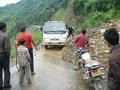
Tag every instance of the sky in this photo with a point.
(5, 2)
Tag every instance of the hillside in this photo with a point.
(80, 13)
(34, 11)
(66, 14)
(29, 12)
(88, 13)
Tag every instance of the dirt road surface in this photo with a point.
(52, 73)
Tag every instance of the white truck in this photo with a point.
(54, 33)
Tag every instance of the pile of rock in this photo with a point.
(68, 51)
(98, 49)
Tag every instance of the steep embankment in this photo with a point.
(88, 13)
(65, 13)
(97, 49)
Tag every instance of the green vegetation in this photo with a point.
(88, 13)
(94, 12)
(37, 36)
(96, 18)
(34, 11)
(13, 53)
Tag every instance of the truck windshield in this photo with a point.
(54, 26)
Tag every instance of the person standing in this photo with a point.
(70, 31)
(4, 57)
(29, 41)
(111, 37)
(24, 60)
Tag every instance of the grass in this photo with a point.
(13, 53)
(13, 49)
(96, 18)
(37, 35)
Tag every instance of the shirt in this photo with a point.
(115, 47)
(81, 40)
(71, 30)
(5, 46)
(23, 56)
(28, 37)
(114, 68)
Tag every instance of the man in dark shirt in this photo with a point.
(112, 40)
(4, 57)
(70, 31)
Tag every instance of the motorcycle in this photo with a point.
(91, 69)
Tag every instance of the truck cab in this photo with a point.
(54, 33)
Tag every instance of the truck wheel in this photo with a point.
(46, 47)
(62, 46)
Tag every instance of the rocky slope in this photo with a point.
(98, 49)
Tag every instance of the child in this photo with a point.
(24, 59)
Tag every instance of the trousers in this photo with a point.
(32, 61)
(4, 67)
(24, 71)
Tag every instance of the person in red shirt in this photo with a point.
(80, 43)
(81, 40)
(29, 41)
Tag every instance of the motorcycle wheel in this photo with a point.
(79, 65)
(99, 85)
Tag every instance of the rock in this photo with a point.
(97, 49)
(102, 31)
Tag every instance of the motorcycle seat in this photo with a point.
(92, 64)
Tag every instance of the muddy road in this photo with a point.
(52, 73)
(63, 71)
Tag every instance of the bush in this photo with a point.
(96, 18)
